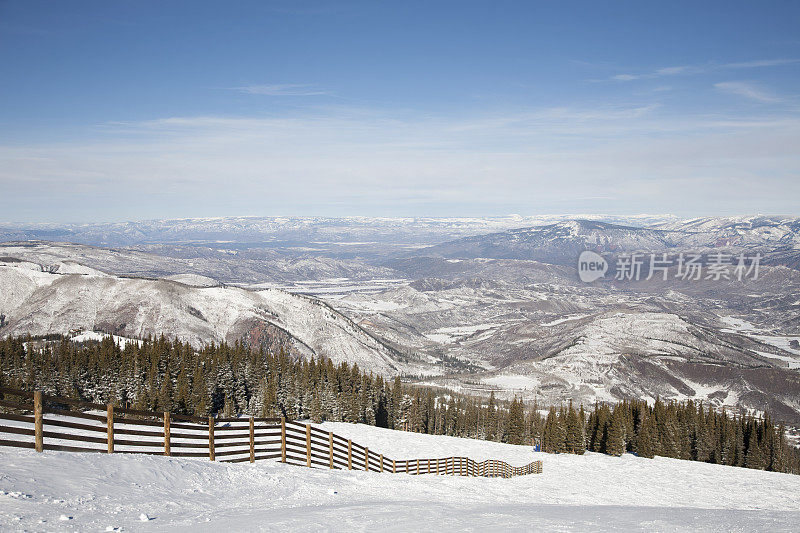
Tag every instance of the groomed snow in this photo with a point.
(57, 491)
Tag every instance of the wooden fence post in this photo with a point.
(211, 454)
(394, 466)
(308, 445)
(110, 427)
(381, 463)
(366, 459)
(330, 449)
(349, 454)
(417, 466)
(252, 440)
(166, 434)
(38, 421)
(437, 466)
(283, 440)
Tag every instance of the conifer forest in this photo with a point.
(226, 380)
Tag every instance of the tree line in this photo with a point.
(162, 375)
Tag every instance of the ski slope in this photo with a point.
(57, 491)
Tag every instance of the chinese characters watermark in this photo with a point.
(662, 266)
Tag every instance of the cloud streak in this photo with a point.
(747, 90)
(372, 162)
(700, 69)
(282, 89)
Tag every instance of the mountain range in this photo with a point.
(467, 304)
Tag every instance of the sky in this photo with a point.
(131, 110)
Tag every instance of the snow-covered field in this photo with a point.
(57, 491)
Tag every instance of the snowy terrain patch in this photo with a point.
(97, 492)
(450, 335)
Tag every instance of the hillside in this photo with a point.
(777, 238)
(41, 303)
(95, 492)
(654, 355)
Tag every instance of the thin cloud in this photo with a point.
(344, 160)
(747, 90)
(762, 63)
(658, 73)
(699, 69)
(283, 89)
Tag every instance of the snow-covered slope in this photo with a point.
(777, 238)
(57, 491)
(753, 230)
(651, 355)
(558, 243)
(39, 303)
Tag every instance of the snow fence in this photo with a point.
(42, 422)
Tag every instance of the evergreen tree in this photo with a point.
(515, 423)
(574, 442)
(227, 380)
(615, 436)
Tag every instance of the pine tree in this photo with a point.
(645, 440)
(491, 419)
(615, 436)
(574, 442)
(515, 423)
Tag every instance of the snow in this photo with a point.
(84, 336)
(779, 341)
(375, 305)
(737, 324)
(39, 303)
(567, 318)
(513, 382)
(71, 267)
(96, 492)
(449, 335)
(194, 280)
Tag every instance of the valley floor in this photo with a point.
(57, 491)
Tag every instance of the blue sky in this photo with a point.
(133, 110)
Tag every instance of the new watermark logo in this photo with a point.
(591, 266)
(638, 266)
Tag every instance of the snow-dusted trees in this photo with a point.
(231, 379)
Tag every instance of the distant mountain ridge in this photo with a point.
(278, 229)
(561, 243)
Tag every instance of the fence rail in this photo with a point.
(109, 429)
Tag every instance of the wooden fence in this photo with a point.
(109, 429)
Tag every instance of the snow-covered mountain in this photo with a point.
(651, 355)
(465, 302)
(757, 230)
(222, 263)
(560, 243)
(39, 302)
(287, 229)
